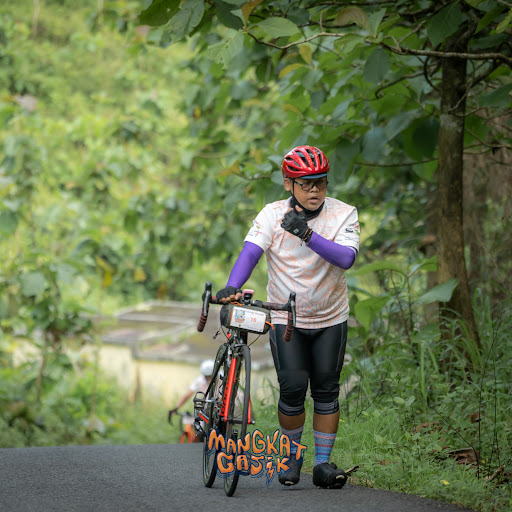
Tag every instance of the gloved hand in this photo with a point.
(228, 294)
(170, 413)
(295, 223)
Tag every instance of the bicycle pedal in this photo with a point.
(199, 401)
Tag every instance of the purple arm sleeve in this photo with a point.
(339, 255)
(247, 260)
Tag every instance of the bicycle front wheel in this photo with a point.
(212, 409)
(237, 409)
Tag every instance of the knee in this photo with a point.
(325, 390)
(293, 387)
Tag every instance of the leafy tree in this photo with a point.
(73, 169)
(405, 86)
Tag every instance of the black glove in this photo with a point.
(225, 293)
(170, 413)
(295, 223)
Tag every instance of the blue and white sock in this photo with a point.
(323, 446)
(293, 435)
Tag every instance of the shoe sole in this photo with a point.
(339, 482)
(289, 482)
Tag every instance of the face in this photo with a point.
(310, 200)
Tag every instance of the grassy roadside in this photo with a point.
(394, 451)
(392, 455)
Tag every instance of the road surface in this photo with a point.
(158, 478)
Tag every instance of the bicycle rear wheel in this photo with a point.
(238, 410)
(212, 410)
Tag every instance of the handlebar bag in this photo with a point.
(251, 319)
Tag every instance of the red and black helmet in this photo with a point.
(305, 162)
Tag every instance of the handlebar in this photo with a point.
(181, 415)
(208, 299)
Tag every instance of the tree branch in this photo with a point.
(487, 145)
(296, 43)
(377, 2)
(398, 164)
(399, 50)
(35, 18)
(427, 77)
(394, 82)
(361, 4)
(488, 150)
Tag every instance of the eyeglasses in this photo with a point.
(320, 184)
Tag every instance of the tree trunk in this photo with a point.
(451, 260)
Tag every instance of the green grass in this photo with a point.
(392, 455)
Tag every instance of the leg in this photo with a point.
(327, 361)
(291, 361)
(291, 422)
(329, 352)
(326, 422)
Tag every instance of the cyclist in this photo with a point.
(199, 384)
(309, 241)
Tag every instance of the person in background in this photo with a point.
(199, 384)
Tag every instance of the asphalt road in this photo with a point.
(166, 478)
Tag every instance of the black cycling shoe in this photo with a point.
(328, 476)
(292, 476)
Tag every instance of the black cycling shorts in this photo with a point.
(313, 356)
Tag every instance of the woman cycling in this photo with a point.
(309, 240)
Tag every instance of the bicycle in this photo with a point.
(226, 405)
(187, 432)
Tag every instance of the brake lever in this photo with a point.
(291, 300)
(207, 297)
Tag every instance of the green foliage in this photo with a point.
(400, 292)
(135, 168)
(419, 397)
(445, 23)
(79, 407)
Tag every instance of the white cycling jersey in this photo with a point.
(320, 287)
(199, 384)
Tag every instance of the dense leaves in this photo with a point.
(364, 82)
(177, 147)
(135, 167)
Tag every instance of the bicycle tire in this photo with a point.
(238, 410)
(214, 400)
